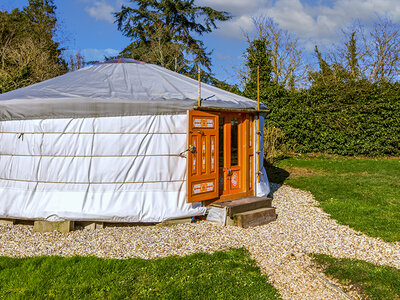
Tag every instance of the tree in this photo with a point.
(328, 74)
(77, 62)
(381, 57)
(162, 32)
(351, 57)
(258, 60)
(365, 54)
(28, 53)
(341, 66)
(287, 67)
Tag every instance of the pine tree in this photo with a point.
(162, 32)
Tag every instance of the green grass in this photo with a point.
(361, 193)
(222, 275)
(374, 282)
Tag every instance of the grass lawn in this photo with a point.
(374, 282)
(222, 275)
(361, 193)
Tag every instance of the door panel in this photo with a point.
(250, 153)
(203, 159)
(231, 169)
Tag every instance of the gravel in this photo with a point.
(281, 248)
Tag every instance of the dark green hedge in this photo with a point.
(352, 119)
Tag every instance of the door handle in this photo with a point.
(192, 149)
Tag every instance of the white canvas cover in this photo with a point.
(103, 144)
(107, 169)
(262, 187)
(112, 89)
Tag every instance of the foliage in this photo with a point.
(162, 32)
(258, 60)
(352, 106)
(222, 275)
(28, 52)
(362, 193)
(328, 75)
(355, 118)
(274, 146)
(373, 281)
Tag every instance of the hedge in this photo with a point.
(353, 119)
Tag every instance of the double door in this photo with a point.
(221, 163)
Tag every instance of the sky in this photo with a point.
(88, 25)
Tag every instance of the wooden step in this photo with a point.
(241, 205)
(252, 218)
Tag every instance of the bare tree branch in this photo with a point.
(287, 61)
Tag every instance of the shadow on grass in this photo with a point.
(275, 174)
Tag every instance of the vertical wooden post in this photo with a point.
(199, 99)
(258, 88)
(258, 123)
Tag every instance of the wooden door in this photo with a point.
(236, 155)
(231, 153)
(203, 157)
(232, 167)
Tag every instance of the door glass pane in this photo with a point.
(221, 142)
(234, 142)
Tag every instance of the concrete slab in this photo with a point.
(47, 226)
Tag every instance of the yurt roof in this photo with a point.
(114, 88)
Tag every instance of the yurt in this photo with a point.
(126, 141)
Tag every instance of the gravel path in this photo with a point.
(280, 247)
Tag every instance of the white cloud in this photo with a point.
(291, 15)
(103, 9)
(236, 28)
(319, 20)
(236, 7)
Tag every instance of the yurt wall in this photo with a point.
(107, 169)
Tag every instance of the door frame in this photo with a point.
(246, 156)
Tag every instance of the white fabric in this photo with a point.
(102, 143)
(106, 169)
(262, 187)
(114, 90)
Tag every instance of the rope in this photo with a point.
(63, 182)
(100, 156)
(21, 134)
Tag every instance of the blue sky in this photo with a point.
(88, 24)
